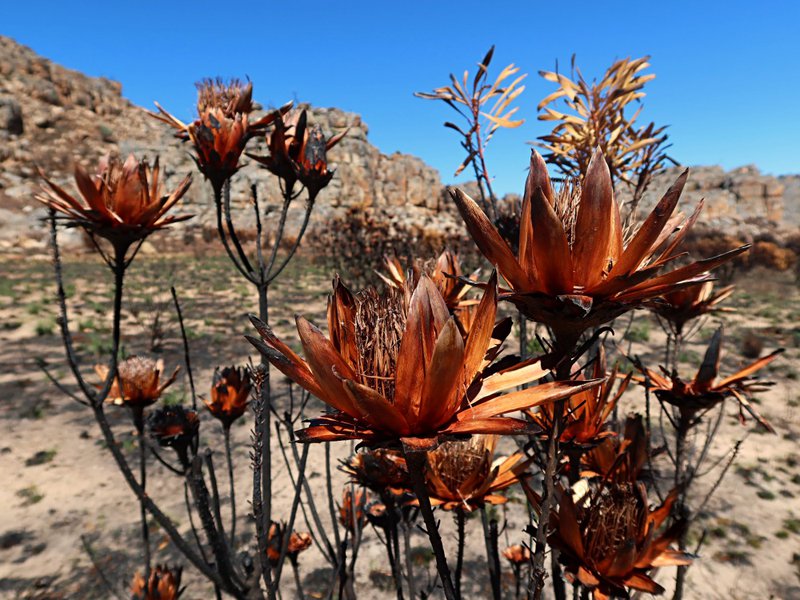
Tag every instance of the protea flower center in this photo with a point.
(612, 523)
(380, 321)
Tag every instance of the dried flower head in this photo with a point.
(586, 412)
(381, 470)
(446, 275)
(464, 475)
(610, 539)
(141, 381)
(397, 369)
(681, 306)
(573, 270)
(298, 152)
(517, 555)
(704, 391)
(164, 584)
(230, 392)
(222, 128)
(352, 510)
(620, 459)
(298, 542)
(122, 203)
(175, 427)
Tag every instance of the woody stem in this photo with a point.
(227, 433)
(416, 461)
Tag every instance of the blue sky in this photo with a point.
(728, 73)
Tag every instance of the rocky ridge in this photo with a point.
(51, 116)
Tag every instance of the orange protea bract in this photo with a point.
(620, 459)
(122, 203)
(704, 391)
(517, 554)
(352, 510)
(609, 540)
(397, 369)
(164, 584)
(573, 270)
(230, 392)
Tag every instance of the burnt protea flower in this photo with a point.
(381, 470)
(298, 542)
(175, 427)
(164, 584)
(230, 392)
(397, 369)
(222, 128)
(681, 306)
(586, 412)
(122, 203)
(298, 152)
(352, 510)
(446, 275)
(704, 391)
(517, 555)
(573, 270)
(620, 459)
(610, 540)
(464, 475)
(141, 383)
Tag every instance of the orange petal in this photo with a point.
(443, 379)
(527, 398)
(327, 365)
(749, 370)
(597, 224)
(489, 241)
(495, 425)
(480, 333)
(375, 409)
(427, 314)
(641, 245)
(550, 247)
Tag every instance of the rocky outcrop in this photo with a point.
(51, 116)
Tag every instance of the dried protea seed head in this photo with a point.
(566, 204)
(380, 470)
(380, 321)
(141, 382)
(613, 521)
(232, 97)
(456, 462)
(351, 510)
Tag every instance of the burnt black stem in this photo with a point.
(409, 559)
(329, 490)
(231, 229)
(224, 237)
(297, 583)
(226, 429)
(292, 516)
(460, 531)
(492, 556)
(142, 507)
(186, 358)
(416, 462)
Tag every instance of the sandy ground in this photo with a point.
(59, 485)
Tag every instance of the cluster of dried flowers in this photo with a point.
(416, 372)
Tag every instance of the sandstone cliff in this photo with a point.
(51, 116)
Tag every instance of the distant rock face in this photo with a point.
(51, 116)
